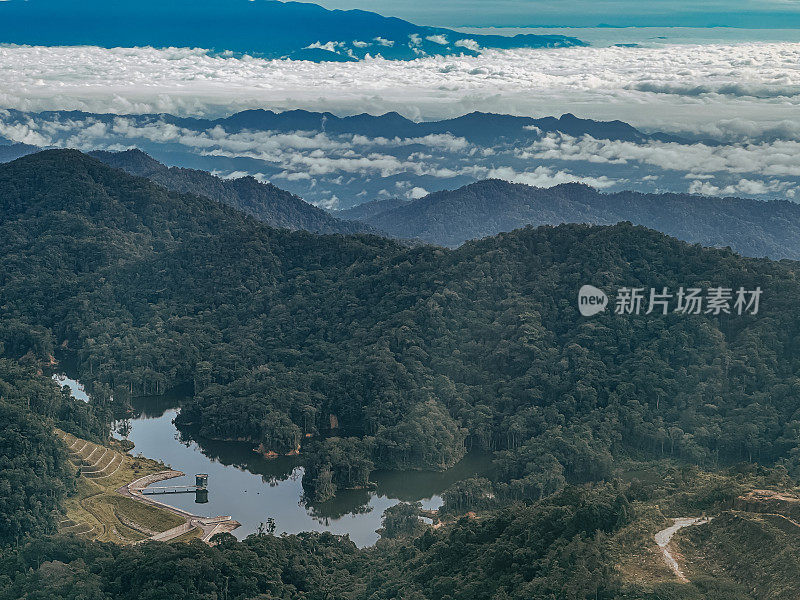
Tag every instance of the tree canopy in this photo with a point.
(417, 353)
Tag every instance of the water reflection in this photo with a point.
(75, 387)
(254, 490)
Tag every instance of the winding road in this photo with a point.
(664, 537)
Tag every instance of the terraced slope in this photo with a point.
(97, 511)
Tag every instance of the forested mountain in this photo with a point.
(750, 227)
(418, 353)
(264, 201)
(368, 210)
(35, 476)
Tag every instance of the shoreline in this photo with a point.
(210, 526)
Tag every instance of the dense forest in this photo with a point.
(451, 217)
(35, 476)
(567, 546)
(370, 355)
(264, 201)
(477, 559)
(408, 357)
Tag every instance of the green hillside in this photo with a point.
(603, 429)
(419, 353)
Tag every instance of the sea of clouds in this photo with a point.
(736, 106)
(719, 90)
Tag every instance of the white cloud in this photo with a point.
(437, 39)
(729, 90)
(24, 133)
(745, 169)
(235, 175)
(747, 187)
(329, 46)
(416, 193)
(546, 177)
(775, 158)
(468, 44)
(331, 203)
(444, 141)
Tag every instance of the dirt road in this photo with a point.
(664, 537)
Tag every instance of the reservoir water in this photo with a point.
(251, 488)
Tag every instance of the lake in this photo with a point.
(251, 488)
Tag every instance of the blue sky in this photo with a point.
(582, 13)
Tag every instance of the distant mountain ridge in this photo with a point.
(264, 201)
(12, 151)
(477, 127)
(340, 161)
(266, 28)
(449, 218)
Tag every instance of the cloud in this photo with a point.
(313, 162)
(416, 193)
(437, 39)
(331, 203)
(546, 177)
(298, 155)
(775, 158)
(737, 89)
(24, 133)
(746, 187)
(329, 46)
(468, 44)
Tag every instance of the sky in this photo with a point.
(585, 13)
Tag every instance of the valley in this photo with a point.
(474, 302)
(610, 450)
(250, 487)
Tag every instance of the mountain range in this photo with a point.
(477, 127)
(601, 429)
(266, 28)
(264, 201)
(449, 218)
(485, 208)
(342, 161)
